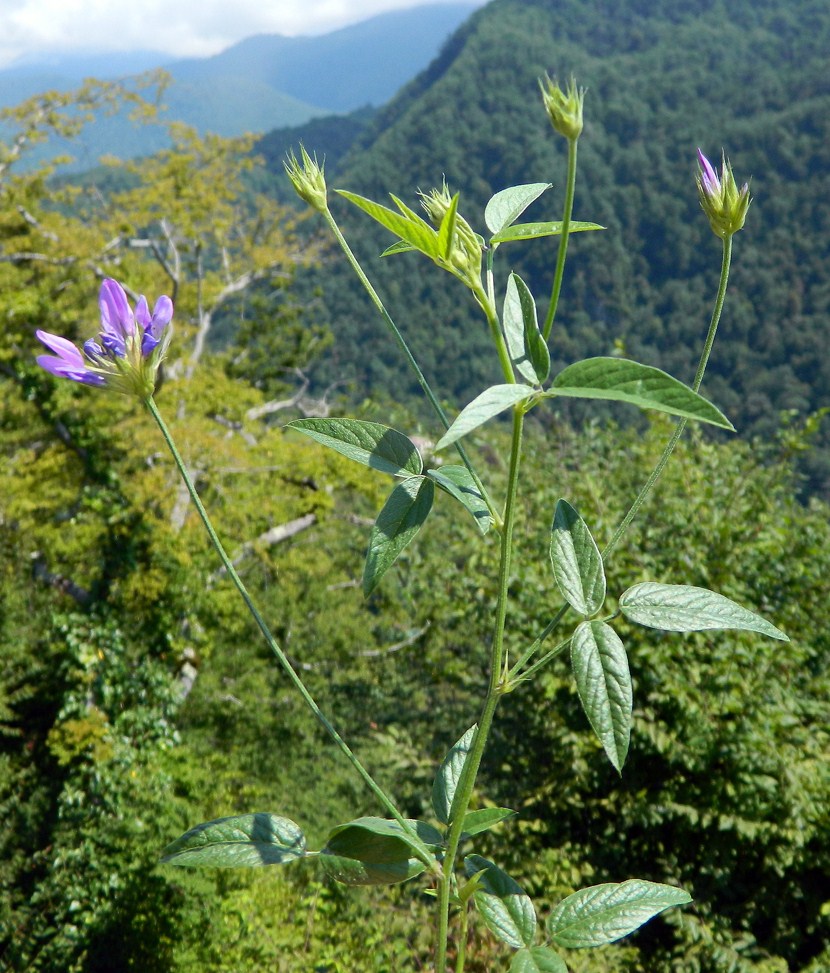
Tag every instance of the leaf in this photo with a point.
(483, 819)
(447, 229)
(399, 521)
(372, 851)
(685, 608)
(604, 913)
(400, 247)
(535, 346)
(457, 481)
(535, 231)
(490, 403)
(604, 685)
(513, 322)
(410, 227)
(622, 380)
(577, 563)
(449, 773)
(506, 909)
(508, 205)
(538, 959)
(245, 840)
(370, 443)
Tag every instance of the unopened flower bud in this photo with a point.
(466, 247)
(308, 179)
(564, 108)
(723, 203)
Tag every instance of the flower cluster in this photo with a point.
(129, 350)
(564, 108)
(723, 203)
(465, 253)
(308, 178)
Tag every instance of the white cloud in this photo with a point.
(32, 29)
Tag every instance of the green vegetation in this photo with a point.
(134, 700)
(661, 79)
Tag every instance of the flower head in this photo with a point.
(308, 178)
(564, 108)
(464, 254)
(128, 352)
(723, 203)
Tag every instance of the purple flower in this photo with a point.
(723, 203)
(129, 350)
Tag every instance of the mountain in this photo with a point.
(259, 84)
(662, 78)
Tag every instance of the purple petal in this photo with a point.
(64, 369)
(116, 316)
(114, 343)
(708, 174)
(63, 348)
(162, 316)
(142, 313)
(148, 343)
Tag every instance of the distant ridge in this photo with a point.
(261, 83)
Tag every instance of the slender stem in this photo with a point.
(423, 852)
(461, 955)
(410, 358)
(570, 184)
(498, 661)
(489, 309)
(678, 432)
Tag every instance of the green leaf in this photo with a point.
(513, 322)
(370, 443)
(408, 225)
(534, 231)
(538, 959)
(622, 380)
(449, 773)
(475, 822)
(603, 682)
(506, 206)
(605, 913)
(457, 481)
(685, 608)
(245, 840)
(535, 346)
(447, 229)
(505, 907)
(490, 403)
(402, 517)
(577, 563)
(372, 851)
(400, 247)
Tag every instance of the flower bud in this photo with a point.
(466, 248)
(723, 203)
(564, 108)
(308, 179)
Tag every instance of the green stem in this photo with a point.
(570, 185)
(498, 661)
(410, 358)
(678, 432)
(461, 955)
(423, 852)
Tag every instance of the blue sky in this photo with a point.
(34, 30)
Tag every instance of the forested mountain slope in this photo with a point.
(662, 78)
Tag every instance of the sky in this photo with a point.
(34, 30)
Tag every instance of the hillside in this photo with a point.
(256, 85)
(662, 79)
